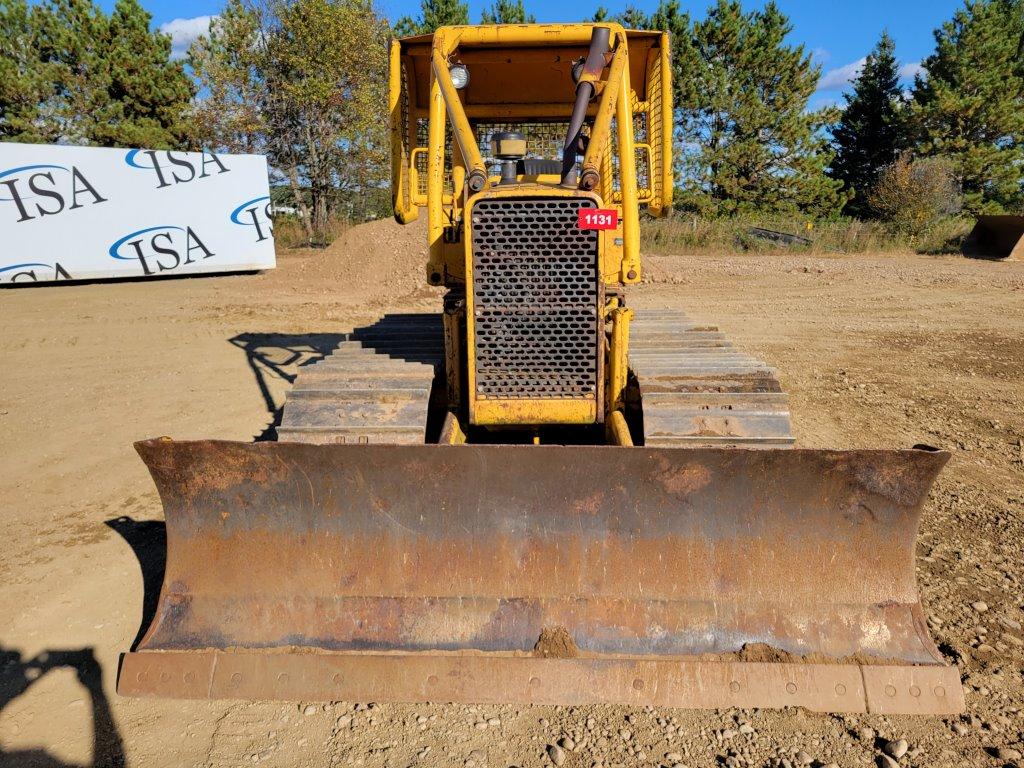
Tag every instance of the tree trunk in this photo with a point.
(307, 224)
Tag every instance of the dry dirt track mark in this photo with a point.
(876, 351)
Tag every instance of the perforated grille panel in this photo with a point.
(535, 300)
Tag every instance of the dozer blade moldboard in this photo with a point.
(665, 576)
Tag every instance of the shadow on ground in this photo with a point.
(18, 674)
(275, 357)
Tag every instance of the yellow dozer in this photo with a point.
(538, 494)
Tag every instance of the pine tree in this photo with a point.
(751, 146)
(969, 106)
(871, 132)
(668, 17)
(433, 14)
(26, 80)
(507, 12)
(71, 74)
(148, 93)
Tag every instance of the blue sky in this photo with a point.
(839, 34)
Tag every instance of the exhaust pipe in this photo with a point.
(592, 66)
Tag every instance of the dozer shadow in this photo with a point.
(148, 540)
(18, 674)
(273, 357)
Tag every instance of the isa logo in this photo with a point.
(33, 272)
(46, 190)
(170, 168)
(161, 249)
(255, 213)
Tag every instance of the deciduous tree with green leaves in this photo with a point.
(969, 104)
(433, 14)
(872, 130)
(749, 143)
(276, 78)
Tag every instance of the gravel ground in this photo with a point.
(875, 351)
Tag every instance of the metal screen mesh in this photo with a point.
(535, 300)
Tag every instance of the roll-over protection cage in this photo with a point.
(521, 79)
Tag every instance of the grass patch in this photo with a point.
(732, 235)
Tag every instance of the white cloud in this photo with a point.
(184, 32)
(837, 79)
(910, 70)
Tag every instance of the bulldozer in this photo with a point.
(539, 494)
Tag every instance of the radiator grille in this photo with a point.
(535, 300)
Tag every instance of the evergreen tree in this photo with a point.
(634, 18)
(26, 80)
(507, 12)
(668, 17)
(970, 105)
(871, 132)
(433, 14)
(148, 94)
(750, 145)
(71, 74)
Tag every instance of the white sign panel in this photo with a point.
(83, 213)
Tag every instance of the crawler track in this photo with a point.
(374, 388)
(697, 390)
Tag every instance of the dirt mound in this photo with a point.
(380, 260)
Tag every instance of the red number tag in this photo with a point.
(598, 218)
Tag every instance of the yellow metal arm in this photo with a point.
(476, 176)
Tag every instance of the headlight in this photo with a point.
(460, 76)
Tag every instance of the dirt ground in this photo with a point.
(875, 351)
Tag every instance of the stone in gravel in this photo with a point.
(566, 742)
(1010, 623)
(747, 729)
(896, 749)
(673, 757)
(729, 733)
(1006, 753)
(625, 734)
(980, 606)
(494, 721)
(344, 720)
(477, 755)
(884, 761)
(960, 729)
(866, 734)
(556, 753)
(310, 709)
(802, 758)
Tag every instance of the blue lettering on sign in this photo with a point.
(255, 213)
(32, 182)
(171, 168)
(161, 249)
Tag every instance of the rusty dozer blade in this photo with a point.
(996, 237)
(705, 577)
